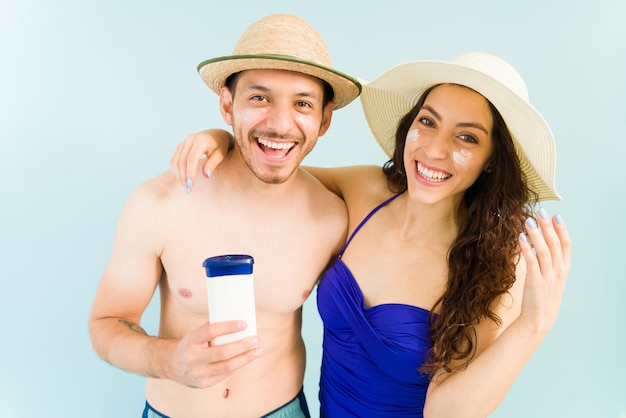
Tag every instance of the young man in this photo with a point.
(277, 91)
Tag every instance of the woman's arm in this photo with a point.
(214, 144)
(480, 388)
(334, 179)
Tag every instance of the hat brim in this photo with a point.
(215, 71)
(392, 95)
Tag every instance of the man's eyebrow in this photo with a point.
(264, 88)
(257, 87)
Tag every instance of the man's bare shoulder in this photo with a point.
(162, 185)
(158, 189)
(149, 201)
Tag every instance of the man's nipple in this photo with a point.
(186, 293)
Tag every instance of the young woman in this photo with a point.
(447, 283)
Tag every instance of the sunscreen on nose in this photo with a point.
(230, 292)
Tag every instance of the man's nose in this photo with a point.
(280, 118)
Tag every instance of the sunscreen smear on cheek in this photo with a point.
(307, 123)
(250, 115)
(461, 157)
(413, 135)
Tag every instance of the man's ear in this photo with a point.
(327, 115)
(226, 105)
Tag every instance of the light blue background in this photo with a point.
(94, 96)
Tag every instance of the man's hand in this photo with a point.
(197, 363)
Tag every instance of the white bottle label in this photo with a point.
(232, 298)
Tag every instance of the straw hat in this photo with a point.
(392, 95)
(281, 42)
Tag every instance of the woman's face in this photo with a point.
(449, 144)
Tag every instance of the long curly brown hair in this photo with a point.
(482, 258)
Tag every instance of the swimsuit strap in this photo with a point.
(369, 215)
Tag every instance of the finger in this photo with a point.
(208, 332)
(192, 157)
(217, 371)
(223, 352)
(208, 167)
(551, 238)
(187, 172)
(541, 250)
(175, 163)
(564, 238)
(532, 265)
(212, 161)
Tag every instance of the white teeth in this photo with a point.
(432, 175)
(276, 145)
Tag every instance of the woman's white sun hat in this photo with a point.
(392, 95)
(281, 42)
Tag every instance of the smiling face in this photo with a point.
(277, 117)
(449, 144)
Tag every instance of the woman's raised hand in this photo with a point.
(547, 265)
(211, 143)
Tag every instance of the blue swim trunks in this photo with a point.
(296, 408)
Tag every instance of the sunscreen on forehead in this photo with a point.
(413, 135)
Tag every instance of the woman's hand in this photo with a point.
(547, 266)
(211, 143)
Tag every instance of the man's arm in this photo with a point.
(125, 290)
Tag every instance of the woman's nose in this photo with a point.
(436, 146)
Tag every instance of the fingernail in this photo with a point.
(559, 219)
(208, 172)
(523, 237)
(187, 191)
(543, 214)
(531, 223)
(189, 183)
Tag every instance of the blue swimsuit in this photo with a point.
(371, 355)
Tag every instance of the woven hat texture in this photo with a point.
(281, 42)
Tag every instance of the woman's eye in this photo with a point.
(425, 121)
(469, 139)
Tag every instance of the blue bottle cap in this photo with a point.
(228, 265)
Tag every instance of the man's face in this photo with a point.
(277, 117)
